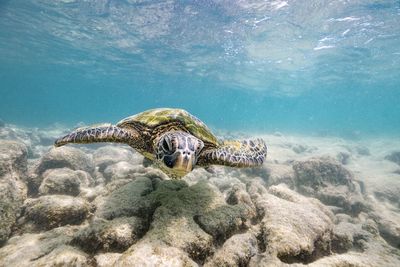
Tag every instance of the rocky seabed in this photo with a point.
(315, 202)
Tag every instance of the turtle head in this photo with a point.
(177, 153)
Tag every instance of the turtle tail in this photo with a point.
(97, 133)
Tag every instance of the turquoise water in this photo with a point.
(294, 66)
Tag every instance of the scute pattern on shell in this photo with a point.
(177, 117)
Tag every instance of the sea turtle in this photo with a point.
(174, 140)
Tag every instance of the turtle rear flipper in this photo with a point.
(246, 153)
(98, 133)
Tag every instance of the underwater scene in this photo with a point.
(199, 133)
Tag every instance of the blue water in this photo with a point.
(291, 66)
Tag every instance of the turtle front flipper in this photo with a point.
(99, 133)
(246, 153)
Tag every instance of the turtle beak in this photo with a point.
(185, 161)
(180, 163)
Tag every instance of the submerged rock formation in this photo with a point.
(293, 228)
(66, 157)
(13, 189)
(48, 212)
(394, 157)
(78, 206)
(331, 183)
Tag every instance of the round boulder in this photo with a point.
(47, 212)
(331, 183)
(64, 182)
(123, 170)
(109, 155)
(13, 158)
(110, 236)
(66, 157)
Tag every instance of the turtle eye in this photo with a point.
(165, 146)
(199, 147)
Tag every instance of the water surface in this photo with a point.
(328, 67)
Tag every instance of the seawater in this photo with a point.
(318, 80)
(330, 67)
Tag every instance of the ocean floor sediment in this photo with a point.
(318, 201)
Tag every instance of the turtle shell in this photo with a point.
(158, 121)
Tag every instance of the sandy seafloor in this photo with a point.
(317, 200)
